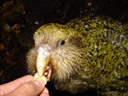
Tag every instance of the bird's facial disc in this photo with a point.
(42, 63)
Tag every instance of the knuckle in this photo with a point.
(29, 88)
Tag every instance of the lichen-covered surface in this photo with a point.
(17, 27)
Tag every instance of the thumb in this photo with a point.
(32, 88)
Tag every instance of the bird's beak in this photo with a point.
(43, 59)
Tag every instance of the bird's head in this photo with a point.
(63, 47)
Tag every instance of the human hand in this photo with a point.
(24, 86)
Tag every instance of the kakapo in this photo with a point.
(86, 53)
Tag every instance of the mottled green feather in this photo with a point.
(105, 58)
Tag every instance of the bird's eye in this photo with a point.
(61, 43)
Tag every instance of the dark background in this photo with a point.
(20, 18)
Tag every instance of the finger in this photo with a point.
(45, 92)
(32, 88)
(8, 87)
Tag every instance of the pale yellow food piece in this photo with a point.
(36, 76)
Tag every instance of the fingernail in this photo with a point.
(39, 82)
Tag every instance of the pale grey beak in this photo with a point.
(43, 59)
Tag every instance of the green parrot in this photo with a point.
(87, 53)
